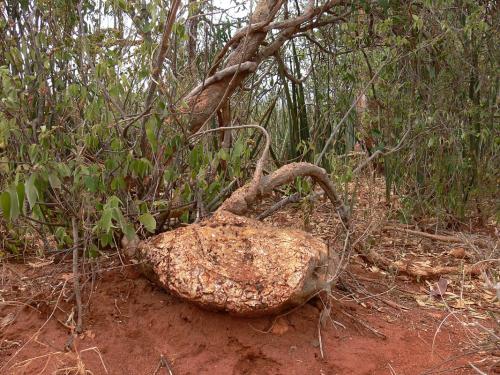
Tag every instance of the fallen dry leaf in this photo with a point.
(67, 276)
(41, 263)
(462, 304)
(280, 327)
(439, 288)
(458, 252)
(422, 300)
(6, 320)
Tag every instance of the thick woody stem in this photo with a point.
(251, 188)
(242, 199)
(289, 172)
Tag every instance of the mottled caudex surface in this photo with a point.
(237, 264)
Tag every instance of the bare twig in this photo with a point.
(249, 66)
(38, 330)
(294, 198)
(163, 363)
(477, 370)
(320, 340)
(366, 325)
(379, 153)
(165, 40)
(436, 237)
(221, 195)
(76, 278)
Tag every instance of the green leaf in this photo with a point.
(54, 181)
(195, 157)
(116, 144)
(151, 132)
(62, 236)
(237, 150)
(14, 204)
(5, 204)
(185, 217)
(118, 183)
(140, 167)
(169, 175)
(20, 195)
(117, 215)
(31, 191)
(223, 155)
(92, 183)
(113, 202)
(106, 239)
(92, 251)
(63, 170)
(105, 223)
(128, 230)
(148, 221)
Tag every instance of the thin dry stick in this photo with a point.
(163, 363)
(438, 329)
(437, 237)
(239, 202)
(320, 340)
(294, 198)
(221, 195)
(260, 163)
(477, 370)
(346, 115)
(96, 350)
(76, 278)
(378, 153)
(38, 330)
(165, 41)
(368, 327)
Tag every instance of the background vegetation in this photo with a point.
(91, 129)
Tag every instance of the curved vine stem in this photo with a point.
(242, 199)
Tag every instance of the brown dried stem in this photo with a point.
(243, 198)
(76, 279)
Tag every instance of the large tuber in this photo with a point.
(236, 264)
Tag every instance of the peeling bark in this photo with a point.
(247, 54)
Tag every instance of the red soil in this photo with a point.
(131, 324)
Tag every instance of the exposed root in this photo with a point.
(240, 265)
(242, 199)
(418, 271)
(437, 237)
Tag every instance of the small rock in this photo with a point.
(458, 252)
(280, 326)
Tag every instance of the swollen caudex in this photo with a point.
(237, 264)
